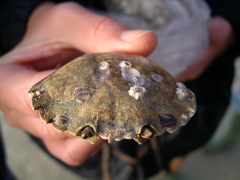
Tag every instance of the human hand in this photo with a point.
(221, 36)
(56, 34)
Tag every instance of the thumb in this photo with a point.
(16, 80)
(90, 32)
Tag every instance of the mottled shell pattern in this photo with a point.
(114, 96)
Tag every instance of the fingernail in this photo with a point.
(132, 35)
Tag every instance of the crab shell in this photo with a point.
(114, 96)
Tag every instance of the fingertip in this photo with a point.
(141, 42)
(16, 80)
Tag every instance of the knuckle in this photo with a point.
(63, 13)
(99, 25)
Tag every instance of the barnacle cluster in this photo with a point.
(137, 82)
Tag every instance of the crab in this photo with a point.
(113, 96)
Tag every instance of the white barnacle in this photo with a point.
(125, 64)
(137, 92)
(181, 85)
(37, 93)
(180, 93)
(184, 116)
(157, 77)
(104, 65)
(103, 71)
(191, 114)
(130, 74)
(184, 120)
(105, 75)
(191, 111)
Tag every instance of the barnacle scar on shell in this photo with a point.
(113, 96)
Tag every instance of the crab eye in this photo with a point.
(87, 132)
(146, 133)
(168, 121)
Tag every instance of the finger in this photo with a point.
(70, 149)
(96, 33)
(16, 80)
(69, 25)
(35, 126)
(73, 151)
(41, 56)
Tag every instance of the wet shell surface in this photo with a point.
(114, 96)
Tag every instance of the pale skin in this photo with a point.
(57, 33)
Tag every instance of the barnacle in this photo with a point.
(157, 77)
(137, 92)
